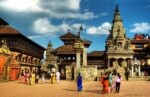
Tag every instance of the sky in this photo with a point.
(46, 20)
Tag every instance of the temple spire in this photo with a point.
(117, 16)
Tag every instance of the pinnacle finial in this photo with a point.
(81, 29)
(68, 30)
(117, 16)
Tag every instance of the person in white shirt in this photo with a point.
(58, 76)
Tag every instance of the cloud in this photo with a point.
(141, 27)
(102, 29)
(104, 14)
(21, 5)
(51, 8)
(43, 26)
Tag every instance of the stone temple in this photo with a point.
(120, 54)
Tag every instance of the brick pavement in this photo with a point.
(68, 89)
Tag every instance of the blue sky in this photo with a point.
(44, 20)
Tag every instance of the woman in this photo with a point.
(105, 83)
(113, 83)
(110, 82)
(53, 78)
(32, 78)
(79, 82)
(118, 82)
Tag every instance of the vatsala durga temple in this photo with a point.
(121, 54)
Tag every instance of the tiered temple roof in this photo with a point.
(69, 39)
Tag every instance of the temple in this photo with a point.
(118, 47)
(17, 52)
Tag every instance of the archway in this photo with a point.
(120, 62)
(112, 60)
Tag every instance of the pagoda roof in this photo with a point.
(68, 35)
(96, 53)
(2, 22)
(65, 49)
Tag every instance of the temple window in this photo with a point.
(73, 58)
(119, 44)
(69, 58)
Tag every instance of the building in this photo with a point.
(25, 54)
(140, 45)
(51, 60)
(118, 46)
(72, 57)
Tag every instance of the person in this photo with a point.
(26, 76)
(105, 83)
(22, 79)
(32, 78)
(118, 82)
(113, 83)
(53, 78)
(127, 74)
(79, 82)
(58, 76)
(36, 78)
(110, 82)
(43, 77)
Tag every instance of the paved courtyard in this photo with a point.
(68, 89)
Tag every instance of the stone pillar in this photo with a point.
(78, 62)
(139, 70)
(84, 56)
(132, 70)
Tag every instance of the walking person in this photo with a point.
(105, 83)
(118, 82)
(79, 82)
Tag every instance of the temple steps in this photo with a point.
(142, 78)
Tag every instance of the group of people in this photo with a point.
(32, 77)
(111, 82)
